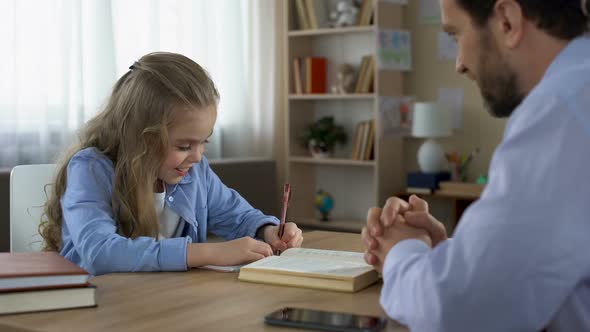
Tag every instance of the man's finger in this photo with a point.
(436, 230)
(373, 225)
(370, 258)
(367, 239)
(418, 204)
(393, 206)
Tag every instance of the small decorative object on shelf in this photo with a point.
(324, 203)
(460, 164)
(482, 179)
(322, 136)
(345, 79)
(344, 14)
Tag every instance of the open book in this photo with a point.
(312, 268)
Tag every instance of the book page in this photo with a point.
(330, 263)
(347, 256)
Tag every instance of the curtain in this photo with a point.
(62, 57)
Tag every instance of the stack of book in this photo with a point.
(309, 75)
(40, 281)
(306, 15)
(363, 145)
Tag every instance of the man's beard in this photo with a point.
(498, 83)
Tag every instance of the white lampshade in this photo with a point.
(431, 120)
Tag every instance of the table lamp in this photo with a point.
(431, 120)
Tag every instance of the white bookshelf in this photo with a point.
(354, 184)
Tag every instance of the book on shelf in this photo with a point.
(370, 141)
(366, 13)
(368, 78)
(366, 75)
(364, 141)
(426, 180)
(361, 74)
(35, 270)
(311, 14)
(316, 75)
(302, 15)
(47, 299)
(356, 141)
(297, 78)
(418, 190)
(312, 268)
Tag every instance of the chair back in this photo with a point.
(27, 199)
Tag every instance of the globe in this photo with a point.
(324, 203)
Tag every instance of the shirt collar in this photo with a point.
(188, 178)
(574, 53)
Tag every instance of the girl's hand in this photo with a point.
(235, 252)
(240, 251)
(292, 236)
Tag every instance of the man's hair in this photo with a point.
(563, 19)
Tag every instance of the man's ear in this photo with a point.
(509, 23)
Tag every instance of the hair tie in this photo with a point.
(135, 65)
(585, 8)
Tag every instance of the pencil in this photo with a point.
(286, 198)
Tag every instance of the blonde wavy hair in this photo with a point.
(132, 131)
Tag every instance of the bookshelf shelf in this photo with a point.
(331, 31)
(332, 161)
(328, 96)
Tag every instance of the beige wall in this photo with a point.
(479, 128)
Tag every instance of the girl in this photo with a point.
(137, 192)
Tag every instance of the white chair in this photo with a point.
(27, 199)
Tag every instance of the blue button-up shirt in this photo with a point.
(202, 201)
(520, 258)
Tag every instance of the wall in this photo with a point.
(429, 73)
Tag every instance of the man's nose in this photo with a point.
(459, 66)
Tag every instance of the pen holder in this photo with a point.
(460, 164)
(324, 204)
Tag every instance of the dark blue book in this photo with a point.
(426, 180)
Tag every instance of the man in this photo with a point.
(520, 258)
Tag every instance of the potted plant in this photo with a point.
(322, 136)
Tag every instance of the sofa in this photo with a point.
(255, 179)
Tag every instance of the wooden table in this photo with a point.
(199, 300)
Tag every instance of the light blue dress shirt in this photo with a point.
(520, 258)
(202, 201)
